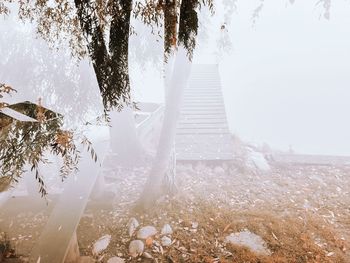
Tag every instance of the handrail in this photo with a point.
(145, 127)
(59, 233)
(56, 238)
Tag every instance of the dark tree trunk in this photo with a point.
(110, 65)
(112, 73)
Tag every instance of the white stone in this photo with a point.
(136, 248)
(115, 260)
(166, 241)
(101, 244)
(257, 160)
(250, 240)
(166, 230)
(133, 224)
(147, 255)
(146, 232)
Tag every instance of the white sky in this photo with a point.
(287, 81)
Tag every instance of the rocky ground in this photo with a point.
(226, 213)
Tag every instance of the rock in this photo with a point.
(147, 255)
(194, 224)
(257, 160)
(136, 248)
(133, 224)
(166, 230)
(219, 170)
(250, 240)
(101, 244)
(166, 241)
(146, 232)
(115, 260)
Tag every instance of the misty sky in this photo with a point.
(286, 80)
(289, 79)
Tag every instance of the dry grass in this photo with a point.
(221, 204)
(290, 239)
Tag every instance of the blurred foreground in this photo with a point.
(286, 213)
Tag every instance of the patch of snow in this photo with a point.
(250, 240)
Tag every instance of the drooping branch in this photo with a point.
(170, 26)
(188, 26)
(110, 65)
(118, 48)
(96, 46)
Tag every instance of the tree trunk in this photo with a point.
(110, 64)
(112, 73)
(179, 80)
(124, 141)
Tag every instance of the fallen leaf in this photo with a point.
(227, 227)
(149, 241)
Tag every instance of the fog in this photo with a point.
(286, 78)
(174, 131)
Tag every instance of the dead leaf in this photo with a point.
(149, 241)
(227, 227)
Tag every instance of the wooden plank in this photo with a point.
(196, 118)
(53, 244)
(204, 121)
(16, 115)
(203, 148)
(198, 132)
(221, 125)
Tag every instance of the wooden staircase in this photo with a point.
(202, 131)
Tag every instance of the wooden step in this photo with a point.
(202, 131)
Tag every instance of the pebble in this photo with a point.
(133, 224)
(147, 255)
(194, 224)
(136, 248)
(166, 230)
(115, 260)
(166, 241)
(146, 232)
(101, 244)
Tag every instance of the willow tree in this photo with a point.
(101, 30)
